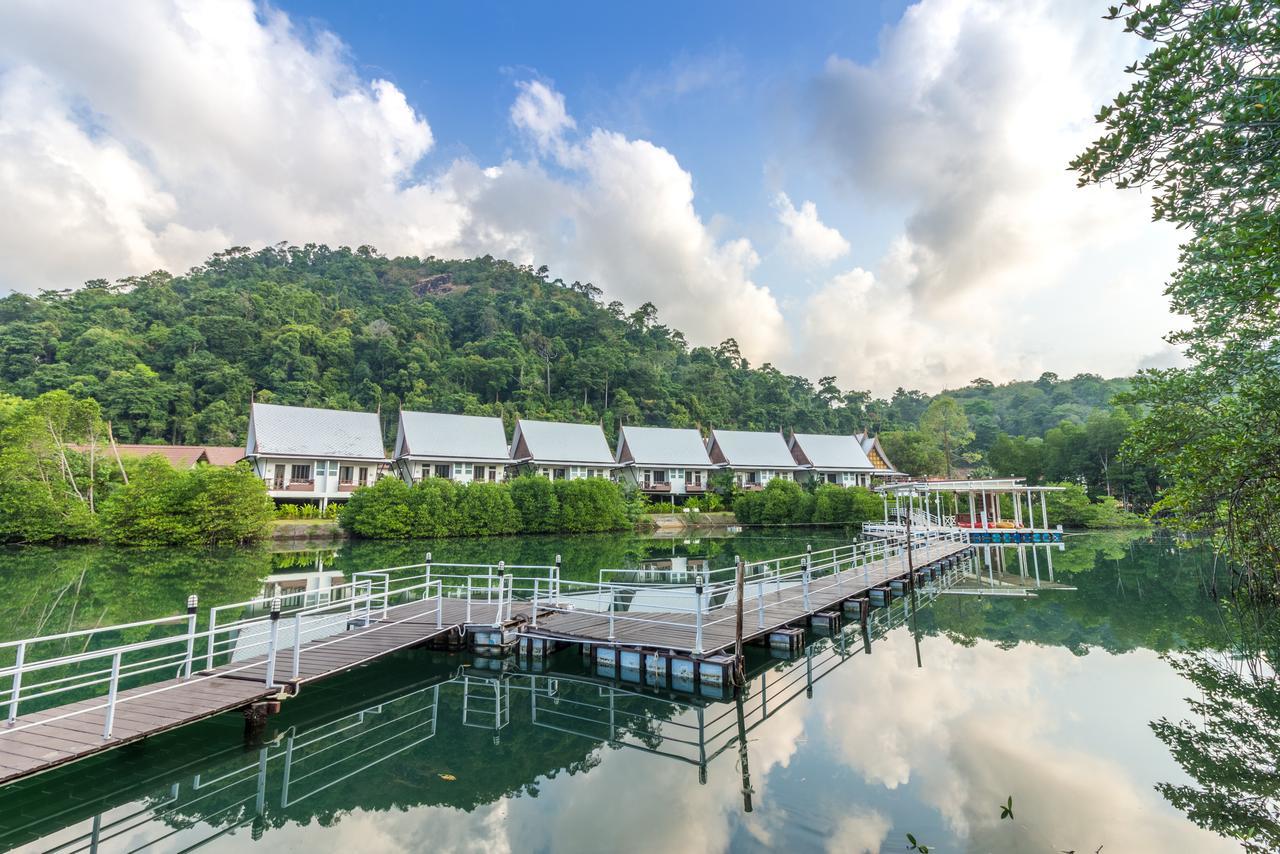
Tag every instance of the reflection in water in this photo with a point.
(977, 697)
(332, 762)
(1231, 745)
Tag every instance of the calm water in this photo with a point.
(926, 725)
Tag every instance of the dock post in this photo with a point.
(426, 579)
(556, 593)
(16, 688)
(612, 591)
(112, 691)
(738, 666)
(192, 600)
(533, 611)
(440, 604)
(272, 636)
(468, 598)
(502, 572)
(697, 619)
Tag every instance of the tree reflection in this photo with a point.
(1231, 745)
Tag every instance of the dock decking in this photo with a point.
(258, 658)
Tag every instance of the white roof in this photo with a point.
(749, 449)
(301, 431)
(559, 442)
(828, 453)
(440, 436)
(664, 446)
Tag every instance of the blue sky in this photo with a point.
(872, 190)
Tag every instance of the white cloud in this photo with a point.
(150, 135)
(539, 110)
(966, 121)
(804, 235)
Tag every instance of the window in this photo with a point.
(558, 474)
(364, 476)
(695, 477)
(345, 474)
(442, 471)
(493, 474)
(659, 476)
(677, 474)
(462, 471)
(300, 472)
(753, 476)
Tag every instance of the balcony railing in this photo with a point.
(695, 487)
(650, 486)
(300, 486)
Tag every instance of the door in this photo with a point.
(278, 481)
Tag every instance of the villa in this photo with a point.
(664, 460)
(462, 448)
(755, 458)
(832, 459)
(561, 451)
(306, 454)
(877, 457)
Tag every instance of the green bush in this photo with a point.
(436, 507)
(485, 509)
(207, 505)
(845, 505)
(535, 500)
(381, 510)
(1071, 508)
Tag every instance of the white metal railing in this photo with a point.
(770, 583)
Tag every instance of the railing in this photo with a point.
(768, 583)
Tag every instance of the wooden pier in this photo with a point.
(64, 706)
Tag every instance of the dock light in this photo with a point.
(192, 601)
(275, 607)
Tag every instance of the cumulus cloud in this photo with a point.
(966, 121)
(804, 235)
(153, 134)
(539, 110)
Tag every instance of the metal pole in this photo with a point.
(697, 632)
(737, 645)
(612, 591)
(191, 635)
(112, 691)
(502, 572)
(468, 599)
(534, 609)
(297, 643)
(213, 620)
(16, 689)
(273, 634)
(427, 578)
(556, 566)
(760, 603)
(439, 604)
(804, 582)
(1044, 513)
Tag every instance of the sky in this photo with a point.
(877, 190)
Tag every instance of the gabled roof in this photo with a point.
(872, 443)
(436, 435)
(752, 450)
(662, 446)
(301, 431)
(830, 453)
(559, 442)
(221, 455)
(179, 456)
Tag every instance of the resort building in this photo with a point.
(561, 451)
(831, 459)
(877, 457)
(462, 448)
(178, 456)
(664, 460)
(307, 454)
(755, 458)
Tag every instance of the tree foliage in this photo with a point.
(1198, 129)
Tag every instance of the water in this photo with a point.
(927, 729)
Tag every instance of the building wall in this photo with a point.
(760, 477)
(459, 471)
(298, 478)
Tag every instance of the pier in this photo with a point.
(76, 694)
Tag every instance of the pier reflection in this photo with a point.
(463, 731)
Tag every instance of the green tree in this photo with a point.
(946, 423)
(914, 452)
(536, 504)
(381, 510)
(1197, 129)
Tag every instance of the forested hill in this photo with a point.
(177, 358)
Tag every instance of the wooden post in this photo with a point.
(739, 667)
